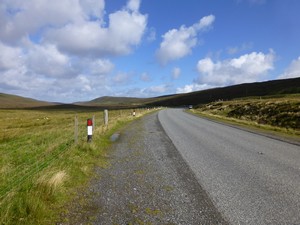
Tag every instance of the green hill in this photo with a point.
(259, 89)
(15, 102)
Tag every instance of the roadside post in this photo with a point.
(106, 117)
(89, 130)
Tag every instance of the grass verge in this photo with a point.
(41, 167)
(273, 115)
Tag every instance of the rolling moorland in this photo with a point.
(275, 103)
(259, 89)
(42, 167)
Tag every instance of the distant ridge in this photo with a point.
(274, 87)
(8, 101)
(258, 89)
(110, 100)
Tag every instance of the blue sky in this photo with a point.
(77, 50)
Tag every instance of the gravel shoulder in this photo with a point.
(148, 182)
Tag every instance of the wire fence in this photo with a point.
(27, 168)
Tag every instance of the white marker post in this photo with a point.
(106, 117)
(89, 130)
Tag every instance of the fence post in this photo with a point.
(76, 130)
(93, 120)
(106, 117)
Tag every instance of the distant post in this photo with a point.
(93, 121)
(106, 117)
(76, 130)
(89, 130)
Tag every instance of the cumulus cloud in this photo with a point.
(158, 89)
(23, 18)
(247, 68)
(46, 45)
(48, 61)
(100, 67)
(193, 87)
(176, 73)
(81, 30)
(133, 5)
(121, 78)
(292, 71)
(10, 57)
(178, 43)
(125, 30)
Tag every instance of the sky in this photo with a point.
(78, 50)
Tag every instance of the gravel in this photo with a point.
(148, 182)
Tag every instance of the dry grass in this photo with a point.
(50, 183)
(281, 113)
(40, 164)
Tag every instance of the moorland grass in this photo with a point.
(41, 166)
(278, 114)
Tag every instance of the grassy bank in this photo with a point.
(41, 167)
(274, 113)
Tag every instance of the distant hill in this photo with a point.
(111, 101)
(14, 101)
(275, 87)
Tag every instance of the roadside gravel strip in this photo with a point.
(148, 182)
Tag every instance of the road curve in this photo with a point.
(250, 178)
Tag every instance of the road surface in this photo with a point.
(250, 178)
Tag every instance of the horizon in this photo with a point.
(143, 48)
(159, 96)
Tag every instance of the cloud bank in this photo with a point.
(45, 44)
(246, 68)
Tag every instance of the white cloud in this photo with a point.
(193, 87)
(100, 67)
(48, 61)
(74, 26)
(47, 45)
(93, 8)
(31, 15)
(133, 5)
(124, 31)
(247, 68)
(121, 78)
(178, 43)
(10, 57)
(176, 73)
(158, 89)
(292, 71)
(205, 22)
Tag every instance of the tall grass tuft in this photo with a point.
(49, 183)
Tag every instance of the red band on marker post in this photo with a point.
(89, 130)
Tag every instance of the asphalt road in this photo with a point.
(146, 182)
(250, 178)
